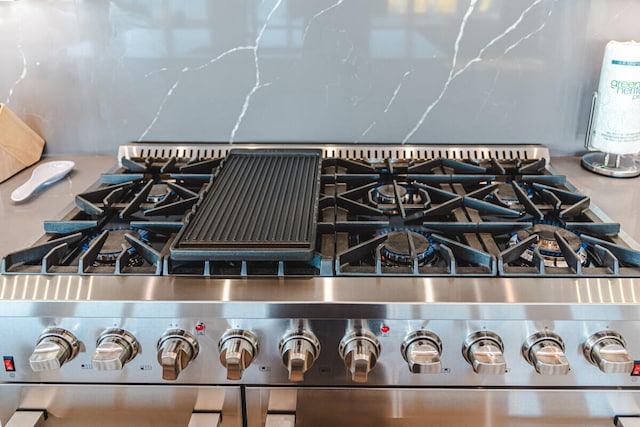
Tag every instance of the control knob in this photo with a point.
(360, 351)
(607, 350)
(545, 351)
(483, 350)
(299, 350)
(422, 350)
(55, 347)
(238, 348)
(114, 349)
(176, 349)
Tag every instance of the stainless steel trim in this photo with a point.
(303, 298)
(347, 151)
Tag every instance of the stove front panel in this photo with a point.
(19, 337)
(472, 323)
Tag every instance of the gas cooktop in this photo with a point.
(238, 211)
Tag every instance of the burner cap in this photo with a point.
(384, 194)
(548, 246)
(113, 246)
(397, 251)
(508, 195)
(158, 193)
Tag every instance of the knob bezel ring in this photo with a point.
(308, 336)
(182, 335)
(418, 335)
(363, 335)
(63, 336)
(242, 334)
(537, 338)
(121, 336)
(594, 340)
(476, 337)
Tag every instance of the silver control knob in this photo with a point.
(607, 350)
(55, 347)
(360, 351)
(545, 351)
(176, 349)
(483, 350)
(114, 349)
(237, 349)
(299, 350)
(422, 350)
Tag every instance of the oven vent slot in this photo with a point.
(346, 151)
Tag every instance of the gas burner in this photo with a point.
(116, 243)
(396, 250)
(506, 194)
(158, 193)
(548, 246)
(384, 193)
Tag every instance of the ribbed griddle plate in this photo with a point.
(263, 205)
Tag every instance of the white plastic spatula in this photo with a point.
(43, 175)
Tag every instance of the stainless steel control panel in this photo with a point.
(320, 352)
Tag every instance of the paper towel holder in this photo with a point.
(608, 164)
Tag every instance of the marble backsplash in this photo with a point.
(90, 75)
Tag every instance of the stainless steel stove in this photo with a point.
(308, 285)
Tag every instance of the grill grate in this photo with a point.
(262, 206)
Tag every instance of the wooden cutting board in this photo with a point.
(20, 146)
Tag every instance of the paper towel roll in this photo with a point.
(616, 124)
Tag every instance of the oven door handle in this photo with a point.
(205, 419)
(279, 419)
(27, 418)
(627, 421)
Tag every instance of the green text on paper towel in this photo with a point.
(623, 87)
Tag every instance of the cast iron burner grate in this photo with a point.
(394, 211)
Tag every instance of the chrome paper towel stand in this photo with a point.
(608, 164)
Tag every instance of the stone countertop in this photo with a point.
(23, 222)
